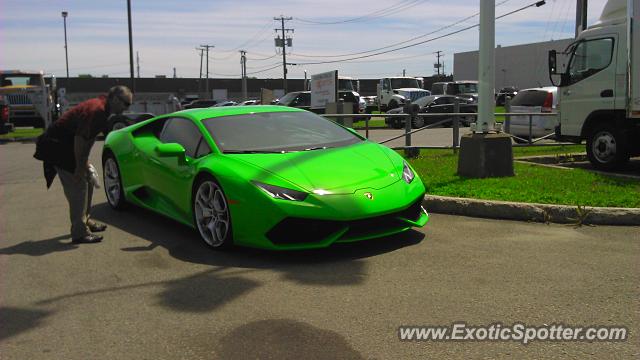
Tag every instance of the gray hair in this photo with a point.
(119, 91)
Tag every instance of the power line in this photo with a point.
(401, 42)
(390, 10)
(537, 4)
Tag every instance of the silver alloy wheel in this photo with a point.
(112, 181)
(211, 213)
(604, 147)
(119, 125)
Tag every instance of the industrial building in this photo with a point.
(523, 66)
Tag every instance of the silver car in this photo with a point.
(535, 100)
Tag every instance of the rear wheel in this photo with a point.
(211, 214)
(607, 148)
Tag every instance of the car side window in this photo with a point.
(589, 58)
(184, 132)
(203, 148)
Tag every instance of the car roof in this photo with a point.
(212, 112)
(544, 88)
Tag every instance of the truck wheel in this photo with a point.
(607, 148)
(392, 105)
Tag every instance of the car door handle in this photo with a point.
(606, 93)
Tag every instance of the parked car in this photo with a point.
(200, 104)
(435, 104)
(302, 100)
(226, 103)
(314, 182)
(5, 125)
(505, 92)
(534, 100)
(372, 103)
(250, 102)
(117, 122)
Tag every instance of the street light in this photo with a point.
(66, 54)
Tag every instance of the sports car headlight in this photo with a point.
(277, 192)
(407, 173)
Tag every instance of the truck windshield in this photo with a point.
(345, 84)
(404, 83)
(22, 79)
(464, 88)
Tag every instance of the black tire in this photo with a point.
(396, 123)
(392, 105)
(417, 122)
(211, 238)
(112, 182)
(607, 147)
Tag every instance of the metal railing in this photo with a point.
(453, 118)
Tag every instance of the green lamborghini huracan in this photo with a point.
(263, 176)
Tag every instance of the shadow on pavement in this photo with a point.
(340, 265)
(16, 320)
(284, 339)
(40, 247)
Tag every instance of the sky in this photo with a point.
(166, 35)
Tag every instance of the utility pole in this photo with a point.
(174, 73)
(133, 81)
(243, 70)
(404, 72)
(284, 42)
(138, 64)
(200, 74)
(438, 65)
(206, 48)
(66, 54)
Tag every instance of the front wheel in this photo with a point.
(113, 182)
(211, 214)
(607, 148)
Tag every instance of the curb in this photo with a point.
(531, 211)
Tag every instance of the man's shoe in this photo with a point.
(96, 227)
(88, 239)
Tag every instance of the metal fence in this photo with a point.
(453, 118)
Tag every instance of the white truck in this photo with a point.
(30, 98)
(599, 90)
(396, 91)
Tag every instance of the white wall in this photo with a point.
(524, 66)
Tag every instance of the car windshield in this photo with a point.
(277, 132)
(465, 88)
(288, 98)
(404, 83)
(424, 101)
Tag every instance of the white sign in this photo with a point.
(323, 89)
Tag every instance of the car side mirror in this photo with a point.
(172, 150)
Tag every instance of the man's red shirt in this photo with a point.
(86, 119)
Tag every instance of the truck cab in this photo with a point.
(29, 97)
(395, 92)
(597, 86)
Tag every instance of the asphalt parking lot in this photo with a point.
(152, 290)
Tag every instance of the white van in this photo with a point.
(534, 100)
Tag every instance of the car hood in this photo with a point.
(342, 170)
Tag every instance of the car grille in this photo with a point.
(303, 231)
(18, 99)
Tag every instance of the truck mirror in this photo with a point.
(553, 63)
